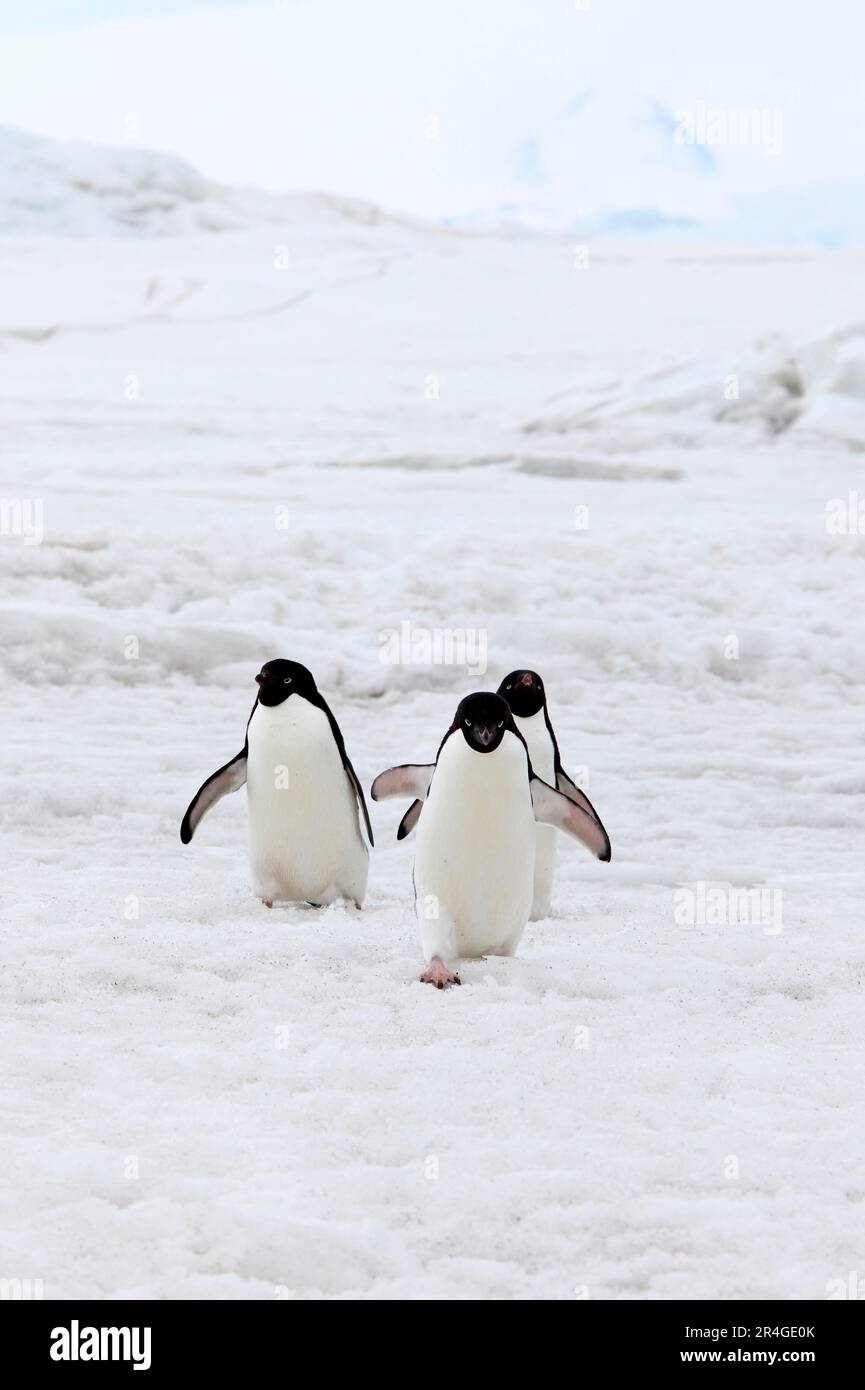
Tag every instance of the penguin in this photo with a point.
(304, 799)
(474, 865)
(524, 692)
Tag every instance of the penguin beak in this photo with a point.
(484, 735)
(260, 679)
(527, 679)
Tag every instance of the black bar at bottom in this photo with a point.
(167, 1338)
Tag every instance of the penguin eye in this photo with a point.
(468, 723)
(287, 680)
(508, 687)
(502, 725)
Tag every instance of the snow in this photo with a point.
(205, 1099)
(68, 188)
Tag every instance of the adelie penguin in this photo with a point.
(524, 692)
(474, 866)
(305, 802)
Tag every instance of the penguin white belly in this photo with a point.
(537, 736)
(475, 851)
(304, 839)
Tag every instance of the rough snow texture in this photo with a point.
(206, 1099)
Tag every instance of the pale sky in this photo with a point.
(32, 15)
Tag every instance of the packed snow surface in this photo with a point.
(288, 442)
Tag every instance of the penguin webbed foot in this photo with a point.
(438, 974)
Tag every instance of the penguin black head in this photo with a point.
(483, 719)
(524, 692)
(279, 679)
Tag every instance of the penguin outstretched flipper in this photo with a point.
(552, 808)
(574, 793)
(409, 779)
(229, 778)
(409, 820)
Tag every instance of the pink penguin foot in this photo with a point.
(437, 973)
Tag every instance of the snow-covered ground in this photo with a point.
(284, 442)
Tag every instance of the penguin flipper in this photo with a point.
(409, 779)
(573, 793)
(350, 773)
(410, 819)
(229, 778)
(359, 797)
(552, 808)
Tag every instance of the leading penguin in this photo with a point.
(474, 865)
(524, 692)
(305, 801)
